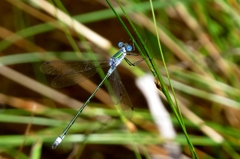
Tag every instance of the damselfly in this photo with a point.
(72, 72)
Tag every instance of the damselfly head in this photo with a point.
(127, 47)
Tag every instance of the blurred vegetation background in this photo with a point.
(200, 42)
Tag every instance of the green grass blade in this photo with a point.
(155, 71)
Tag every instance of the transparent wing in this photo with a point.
(59, 67)
(119, 95)
(71, 79)
(71, 72)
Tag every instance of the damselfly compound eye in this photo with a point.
(129, 48)
(120, 44)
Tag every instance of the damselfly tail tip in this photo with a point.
(56, 142)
